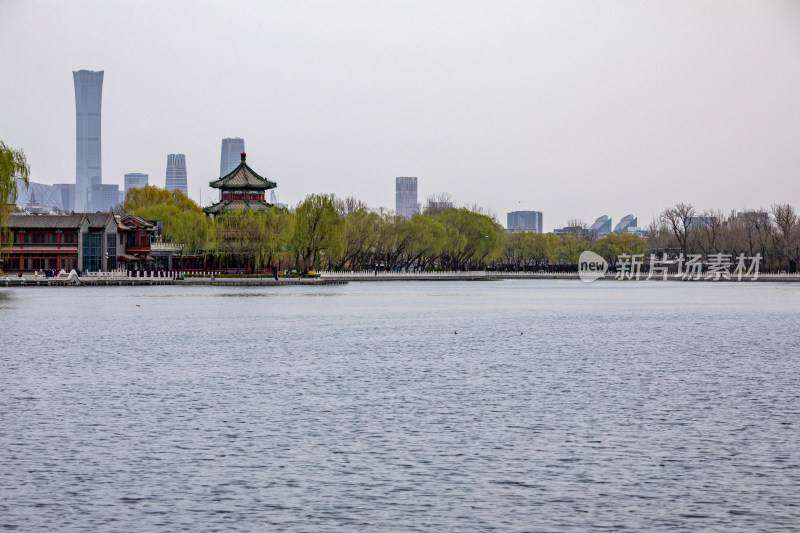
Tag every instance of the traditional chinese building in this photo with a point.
(87, 242)
(137, 235)
(241, 188)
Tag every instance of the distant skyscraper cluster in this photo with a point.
(88, 164)
(89, 194)
(524, 221)
(176, 173)
(406, 204)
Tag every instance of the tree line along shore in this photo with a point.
(325, 232)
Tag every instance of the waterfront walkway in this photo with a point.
(328, 278)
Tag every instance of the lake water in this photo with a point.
(401, 406)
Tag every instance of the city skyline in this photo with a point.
(531, 109)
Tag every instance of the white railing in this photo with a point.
(165, 247)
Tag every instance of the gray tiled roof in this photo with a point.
(99, 220)
(96, 221)
(20, 221)
(141, 220)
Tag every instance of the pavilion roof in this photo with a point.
(243, 177)
(227, 205)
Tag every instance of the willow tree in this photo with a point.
(193, 230)
(319, 230)
(150, 195)
(617, 243)
(362, 228)
(476, 241)
(13, 166)
(276, 229)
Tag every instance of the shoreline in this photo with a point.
(343, 278)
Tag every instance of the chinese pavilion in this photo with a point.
(241, 188)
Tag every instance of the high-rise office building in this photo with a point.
(88, 168)
(405, 199)
(66, 193)
(176, 173)
(105, 197)
(135, 179)
(232, 150)
(524, 221)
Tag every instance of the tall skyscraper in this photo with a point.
(524, 221)
(405, 199)
(88, 168)
(135, 179)
(176, 173)
(232, 150)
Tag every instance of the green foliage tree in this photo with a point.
(253, 239)
(319, 230)
(13, 166)
(473, 239)
(526, 249)
(615, 244)
(565, 250)
(191, 229)
(150, 195)
(427, 243)
(361, 230)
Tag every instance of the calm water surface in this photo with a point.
(556, 406)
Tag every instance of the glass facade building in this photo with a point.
(406, 197)
(105, 197)
(135, 179)
(88, 167)
(92, 252)
(628, 221)
(524, 221)
(176, 173)
(232, 149)
(601, 226)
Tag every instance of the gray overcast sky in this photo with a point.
(576, 109)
